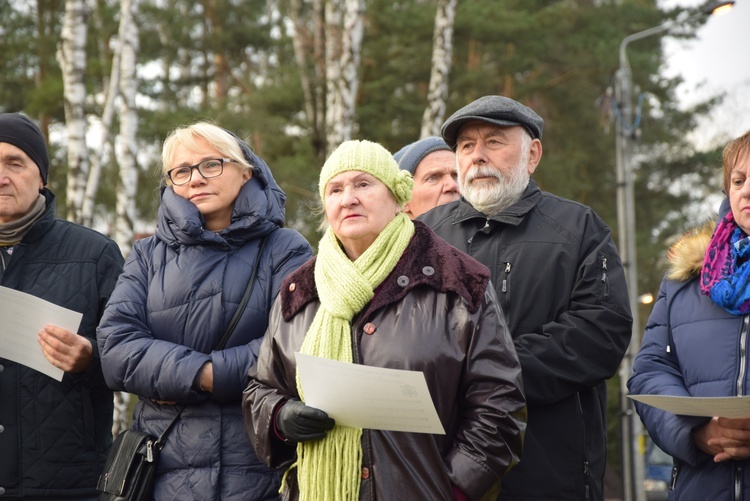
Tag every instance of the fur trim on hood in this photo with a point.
(686, 255)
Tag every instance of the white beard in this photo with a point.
(492, 197)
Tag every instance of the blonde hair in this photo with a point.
(732, 153)
(188, 137)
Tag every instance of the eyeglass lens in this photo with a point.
(207, 169)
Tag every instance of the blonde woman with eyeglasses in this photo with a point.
(179, 291)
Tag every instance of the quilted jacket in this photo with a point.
(55, 435)
(169, 310)
(435, 313)
(692, 347)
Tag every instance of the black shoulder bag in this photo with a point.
(129, 470)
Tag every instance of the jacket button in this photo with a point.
(2, 428)
(2, 491)
(403, 281)
(292, 287)
(365, 473)
(428, 270)
(2, 368)
(369, 328)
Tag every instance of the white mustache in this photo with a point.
(483, 171)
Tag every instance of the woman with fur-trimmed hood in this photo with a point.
(696, 344)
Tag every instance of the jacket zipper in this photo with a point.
(506, 277)
(741, 391)
(587, 487)
(605, 279)
(743, 356)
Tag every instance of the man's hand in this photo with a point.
(724, 438)
(66, 350)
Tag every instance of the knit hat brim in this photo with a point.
(410, 156)
(369, 157)
(21, 132)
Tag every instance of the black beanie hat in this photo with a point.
(21, 132)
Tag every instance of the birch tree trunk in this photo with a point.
(126, 145)
(71, 55)
(343, 51)
(308, 42)
(442, 53)
(123, 82)
(99, 153)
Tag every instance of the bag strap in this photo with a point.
(245, 298)
(227, 332)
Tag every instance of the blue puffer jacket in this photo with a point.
(692, 347)
(169, 310)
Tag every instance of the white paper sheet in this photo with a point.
(23, 316)
(729, 407)
(369, 397)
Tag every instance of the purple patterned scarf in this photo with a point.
(725, 276)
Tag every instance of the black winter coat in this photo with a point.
(56, 435)
(561, 285)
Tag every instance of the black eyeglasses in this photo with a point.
(207, 168)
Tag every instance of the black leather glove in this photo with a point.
(299, 423)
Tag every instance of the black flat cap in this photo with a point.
(496, 110)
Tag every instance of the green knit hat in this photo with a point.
(371, 158)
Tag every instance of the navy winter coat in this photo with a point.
(54, 436)
(169, 310)
(692, 347)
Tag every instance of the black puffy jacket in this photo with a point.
(55, 435)
(561, 285)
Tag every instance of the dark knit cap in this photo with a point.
(496, 110)
(21, 132)
(411, 155)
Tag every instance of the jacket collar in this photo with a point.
(428, 260)
(513, 215)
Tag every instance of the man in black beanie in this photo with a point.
(432, 164)
(561, 285)
(54, 436)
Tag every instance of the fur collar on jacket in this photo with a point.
(428, 260)
(686, 255)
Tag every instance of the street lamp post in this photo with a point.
(632, 457)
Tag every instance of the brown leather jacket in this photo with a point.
(435, 313)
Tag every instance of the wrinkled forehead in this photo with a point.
(10, 151)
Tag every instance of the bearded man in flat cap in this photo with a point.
(54, 436)
(561, 284)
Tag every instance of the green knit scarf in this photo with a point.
(329, 469)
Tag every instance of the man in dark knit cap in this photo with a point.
(54, 436)
(432, 164)
(562, 288)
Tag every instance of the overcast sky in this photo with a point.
(717, 60)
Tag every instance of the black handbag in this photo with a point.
(130, 467)
(129, 470)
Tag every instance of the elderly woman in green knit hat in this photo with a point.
(386, 292)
